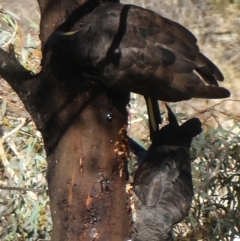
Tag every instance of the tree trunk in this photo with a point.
(83, 124)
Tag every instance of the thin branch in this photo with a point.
(16, 129)
(8, 171)
(11, 69)
(24, 189)
(204, 186)
(209, 109)
(23, 82)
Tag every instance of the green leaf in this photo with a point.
(13, 15)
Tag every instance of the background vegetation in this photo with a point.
(215, 212)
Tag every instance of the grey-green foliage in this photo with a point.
(215, 209)
(26, 45)
(25, 215)
(24, 203)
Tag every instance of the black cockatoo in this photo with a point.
(163, 188)
(133, 49)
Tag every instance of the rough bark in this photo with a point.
(83, 124)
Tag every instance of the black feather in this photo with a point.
(163, 182)
(135, 49)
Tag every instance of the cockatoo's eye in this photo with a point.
(81, 24)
